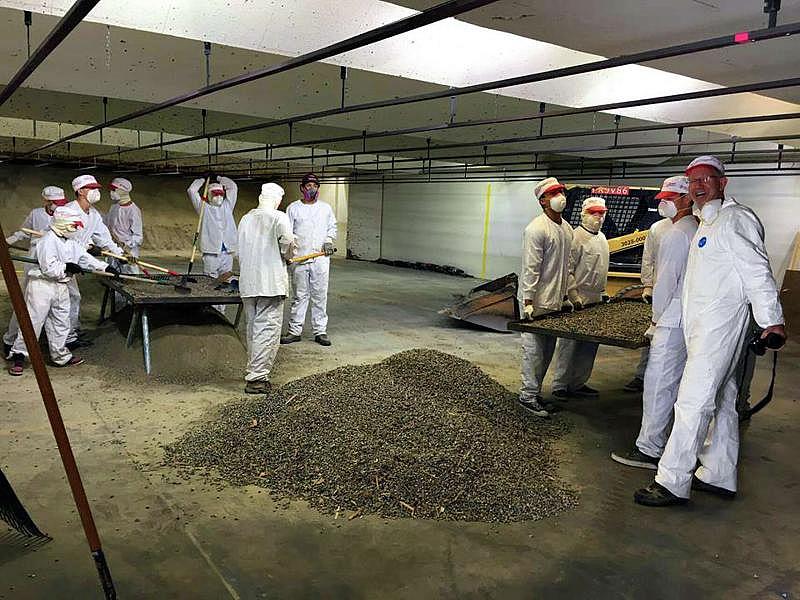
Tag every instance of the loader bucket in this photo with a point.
(491, 305)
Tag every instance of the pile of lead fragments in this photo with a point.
(422, 434)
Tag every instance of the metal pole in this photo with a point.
(445, 10)
(54, 416)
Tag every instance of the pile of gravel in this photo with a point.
(421, 434)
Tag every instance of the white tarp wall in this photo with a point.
(473, 226)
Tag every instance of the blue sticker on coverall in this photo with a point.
(701, 242)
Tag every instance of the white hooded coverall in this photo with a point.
(124, 221)
(218, 237)
(544, 280)
(265, 236)
(727, 273)
(47, 296)
(588, 274)
(313, 224)
(93, 233)
(38, 220)
(649, 255)
(667, 347)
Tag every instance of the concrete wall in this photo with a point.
(478, 227)
(365, 221)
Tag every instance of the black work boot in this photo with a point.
(289, 338)
(322, 339)
(656, 494)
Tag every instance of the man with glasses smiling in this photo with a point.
(727, 275)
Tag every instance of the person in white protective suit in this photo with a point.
(218, 237)
(38, 220)
(59, 257)
(588, 273)
(667, 346)
(727, 275)
(124, 222)
(649, 256)
(94, 237)
(266, 241)
(314, 227)
(543, 287)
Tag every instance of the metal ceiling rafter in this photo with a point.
(582, 133)
(445, 10)
(604, 162)
(627, 59)
(63, 28)
(515, 140)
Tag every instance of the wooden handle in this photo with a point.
(199, 223)
(146, 265)
(306, 257)
(31, 231)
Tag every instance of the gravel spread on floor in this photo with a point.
(421, 434)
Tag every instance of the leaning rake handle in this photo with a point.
(54, 416)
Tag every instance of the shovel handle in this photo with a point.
(297, 259)
(31, 231)
(146, 265)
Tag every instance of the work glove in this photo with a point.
(113, 271)
(72, 269)
(605, 299)
(567, 306)
(647, 295)
(328, 249)
(225, 182)
(577, 304)
(527, 312)
(95, 251)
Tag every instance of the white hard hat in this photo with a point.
(550, 184)
(120, 183)
(710, 161)
(595, 203)
(674, 185)
(85, 181)
(271, 191)
(53, 193)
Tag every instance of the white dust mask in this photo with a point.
(667, 208)
(710, 211)
(93, 196)
(558, 202)
(591, 222)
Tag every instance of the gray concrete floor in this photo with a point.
(170, 538)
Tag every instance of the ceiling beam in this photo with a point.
(442, 11)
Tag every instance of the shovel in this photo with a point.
(181, 289)
(204, 197)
